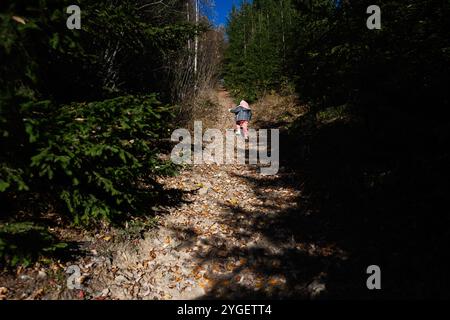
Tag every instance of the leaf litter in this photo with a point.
(218, 243)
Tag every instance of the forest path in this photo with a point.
(227, 239)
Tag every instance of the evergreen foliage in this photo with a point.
(79, 115)
(260, 34)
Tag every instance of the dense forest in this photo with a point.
(85, 116)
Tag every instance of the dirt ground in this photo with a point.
(225, 240)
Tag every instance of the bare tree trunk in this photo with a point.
(188, 19)
(196, 38)
(110, 68)
(245, 40)
(282, 31)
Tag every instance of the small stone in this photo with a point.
(120, 279)
(105, 292)
(83, 278)
(42, 274)
(316, 288)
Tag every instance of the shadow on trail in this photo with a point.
(364, 201)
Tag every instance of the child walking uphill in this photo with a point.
(243, 115)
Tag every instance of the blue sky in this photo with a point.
(221, 10)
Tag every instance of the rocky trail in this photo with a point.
(225, 241)
(230, 237)
(215, 244)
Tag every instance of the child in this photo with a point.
(243, 116)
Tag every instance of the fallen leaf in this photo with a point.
(222, 253)
(83, 278)
(36, 294)
(167, 296)
(152, 254)
(230, 266)
(216, 268)
(225, 283)
(198, 276)
(276, 263)
(273, 282)
(204, 283)
(19, 270)
(19, 19)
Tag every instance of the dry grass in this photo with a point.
(271, 111)
(203, 107)
(277, 111)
